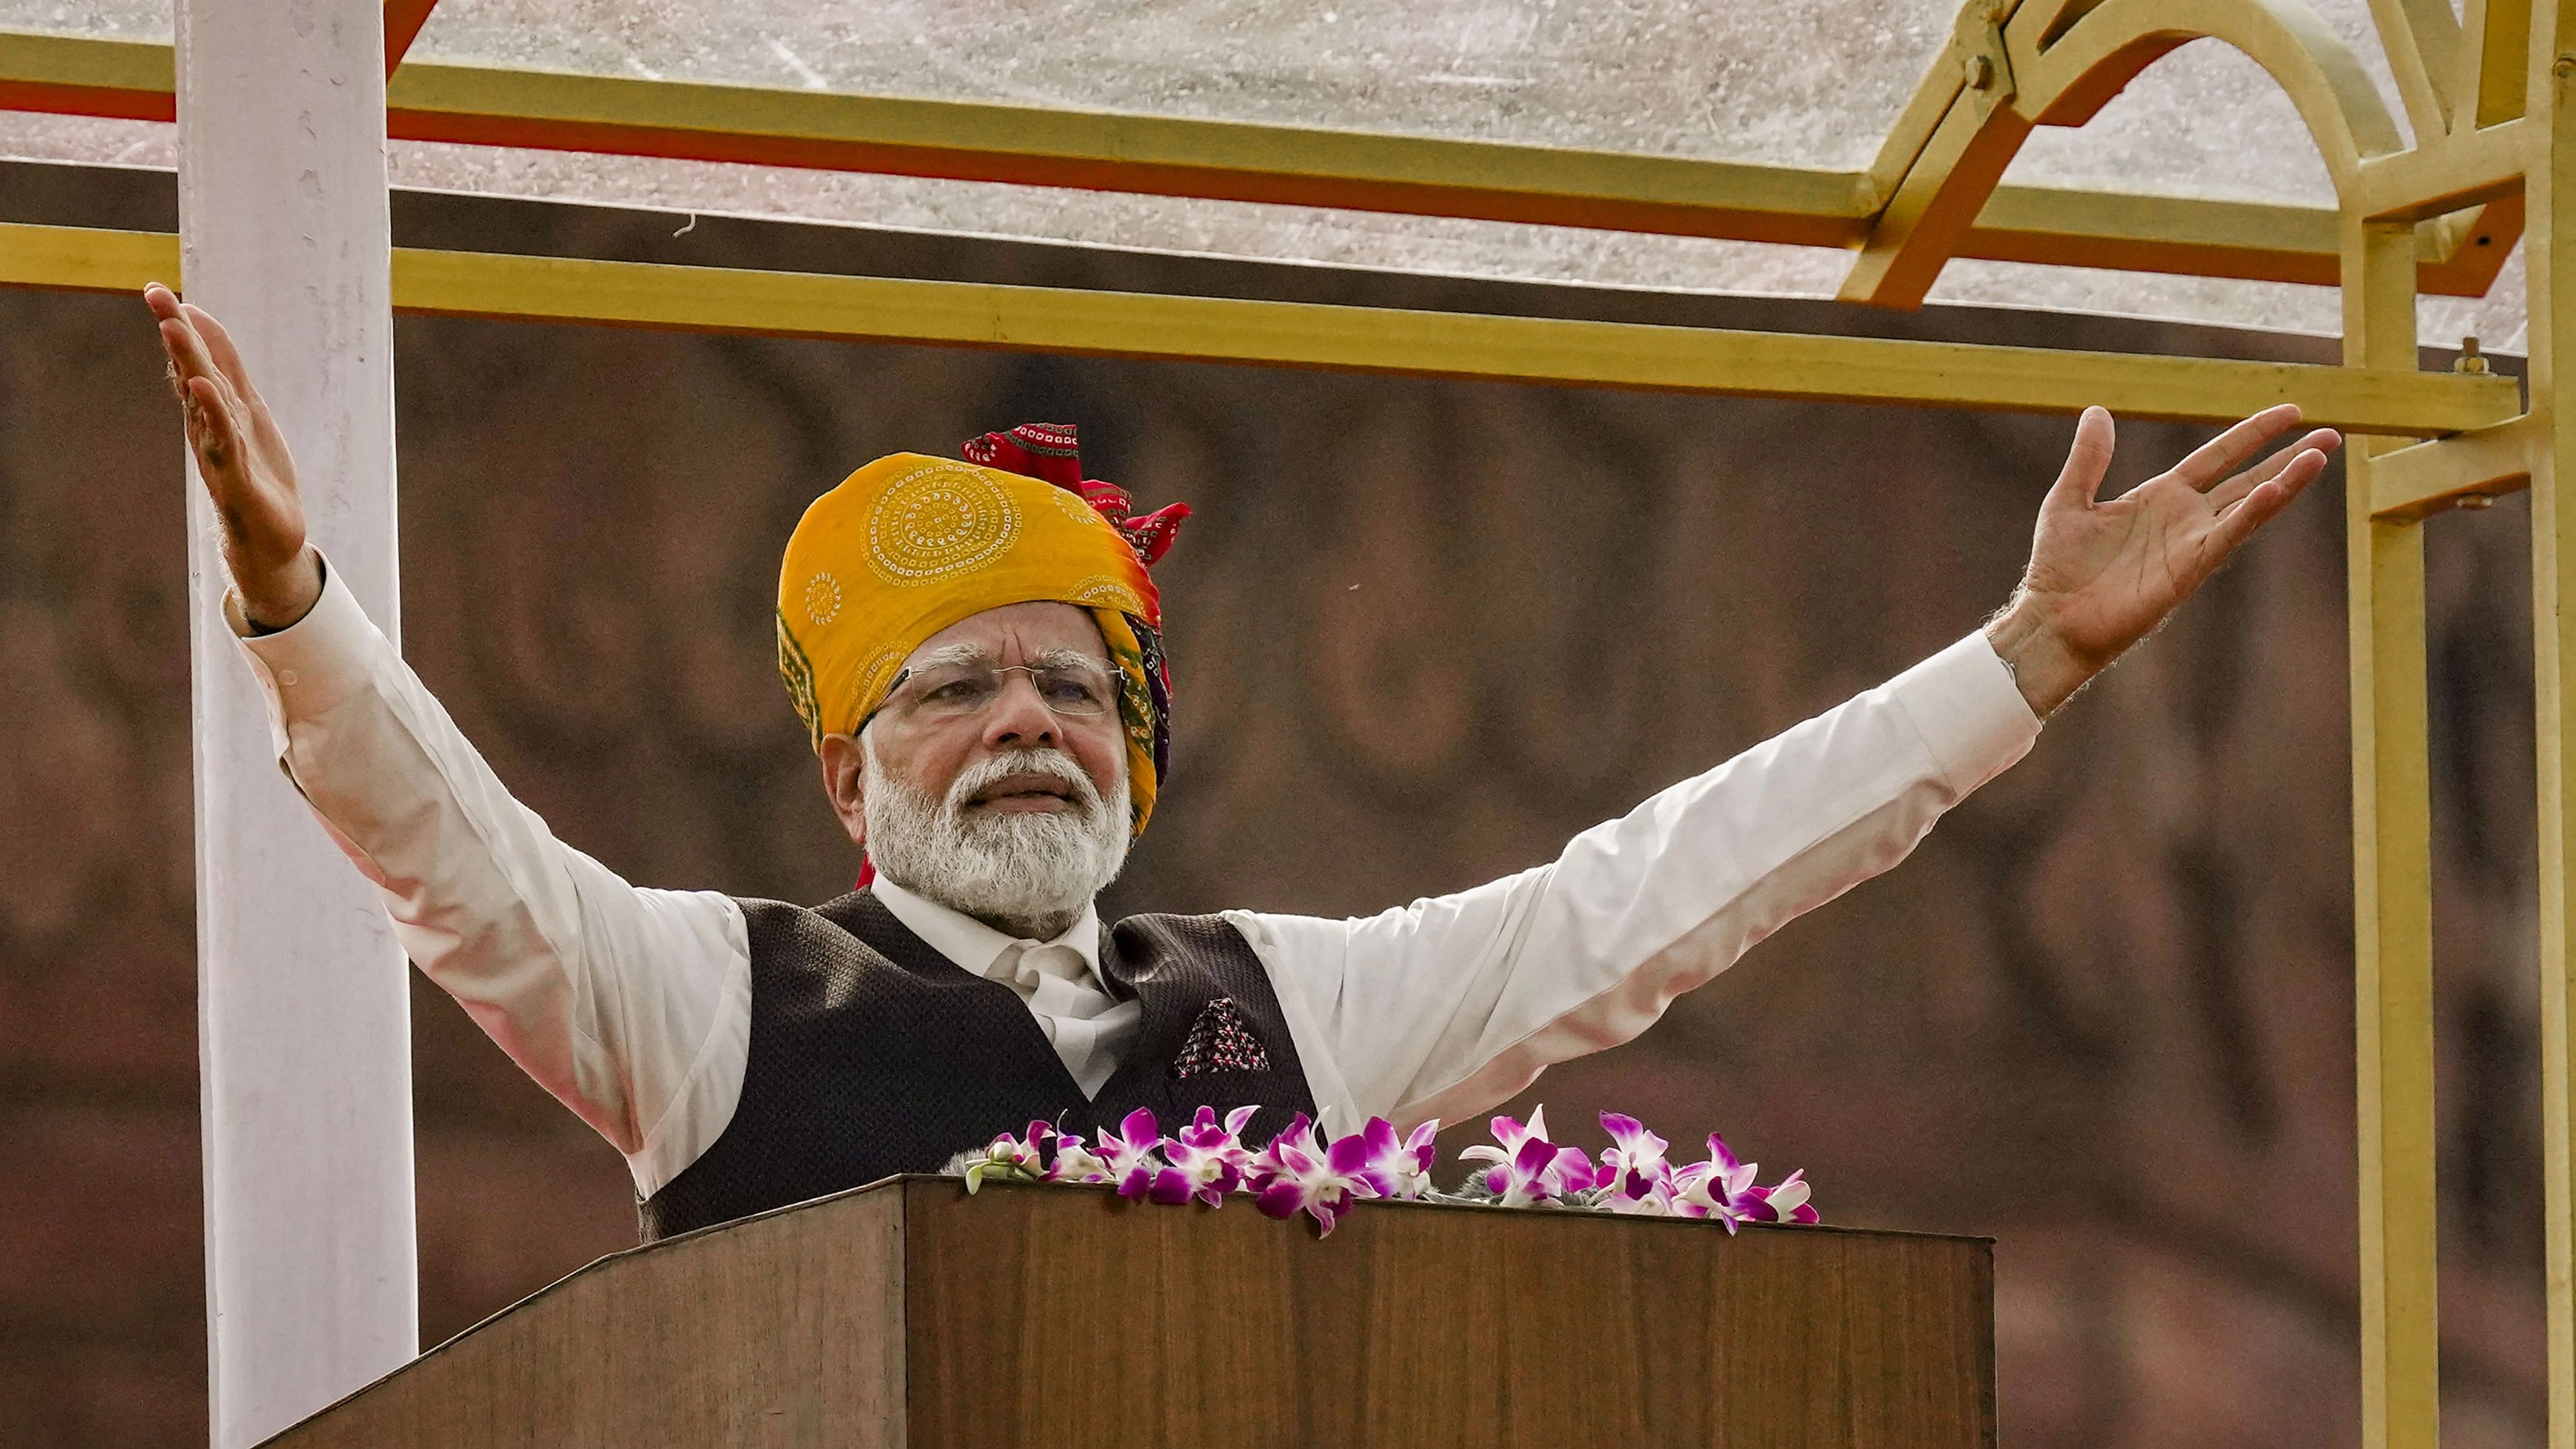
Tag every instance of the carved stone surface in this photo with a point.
(1421, 632)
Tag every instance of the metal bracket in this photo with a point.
(1985, 66)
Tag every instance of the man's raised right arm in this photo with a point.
(632, 1006)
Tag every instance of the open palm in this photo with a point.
(2103, 574)
(243, 459)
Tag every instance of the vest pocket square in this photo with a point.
(1220, 1040)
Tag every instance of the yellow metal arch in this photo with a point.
(2055, 63)
(2066, 81)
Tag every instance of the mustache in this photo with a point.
(1054, 764)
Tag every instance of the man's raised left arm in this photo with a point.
(1450, 1005)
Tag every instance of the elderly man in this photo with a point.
(973, 649)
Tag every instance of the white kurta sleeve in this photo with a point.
(632, 1006)
(1445, 1007)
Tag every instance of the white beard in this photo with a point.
(1028, 873)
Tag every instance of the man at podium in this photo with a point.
(973, 646)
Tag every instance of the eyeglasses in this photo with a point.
(955, 691)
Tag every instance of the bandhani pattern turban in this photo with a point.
(911, 544)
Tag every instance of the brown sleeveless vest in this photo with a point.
(871, 1054)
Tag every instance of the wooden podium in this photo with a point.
(911, 1314)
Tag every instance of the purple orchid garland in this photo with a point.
(1301, 1172)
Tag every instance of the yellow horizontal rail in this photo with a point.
(83, 75)
(2471, 469)
(1238, 161)
(2251, 240)
(1357, 339)
(86, 259)
(2465, 167)
(1109, 151)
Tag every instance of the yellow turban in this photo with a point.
(911, 544)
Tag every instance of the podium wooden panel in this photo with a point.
(910, 1314)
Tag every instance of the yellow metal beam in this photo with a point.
(2422, 42)
(2066, 80)
(2463, 170)
(2494, 58)
(1905, 140)
(1030, 145)
(1979, 26)
(1360, 339)
(2471, 246)
(1928, 220)
(86, 259)
(1958, 121)
(1936, 203)
(2058, 61)
(2392, 882)
(2551, 255)
(2041, 225)
(2465, 470)
(128, 80)
(2458, 255)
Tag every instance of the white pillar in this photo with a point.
(303, 1019)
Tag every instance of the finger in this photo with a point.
(219, 346)
(2323, 440)
(2239, 523)
(2088, 458)
(188, 354)
(170, 349)
(254, 420)
(163, 302)
(191, 417)
(2224, 454)
(187, 349)
(2265, 502)
(183, 367)
(212, 427)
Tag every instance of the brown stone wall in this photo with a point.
(1422, 632)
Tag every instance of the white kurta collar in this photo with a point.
(972, 944)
